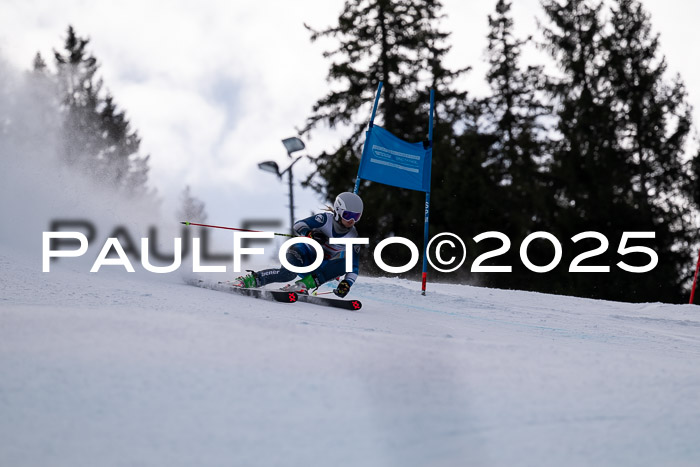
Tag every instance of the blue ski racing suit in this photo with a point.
(301, 255)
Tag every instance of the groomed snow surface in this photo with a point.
(117, 369)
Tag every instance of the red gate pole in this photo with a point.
(695, 280)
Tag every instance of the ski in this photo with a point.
(332, 302)
(272, 295)
(278, 295)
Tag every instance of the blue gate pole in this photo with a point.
(427, 198)
(369, 132)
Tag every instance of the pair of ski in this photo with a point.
(280, 295)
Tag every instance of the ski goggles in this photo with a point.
(351, 216)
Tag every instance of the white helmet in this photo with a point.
(348, 206)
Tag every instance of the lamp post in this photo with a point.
(292, 145)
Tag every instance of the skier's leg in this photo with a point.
(328, 270)
(268, 276)
(298, 255)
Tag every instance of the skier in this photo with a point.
(338, 223)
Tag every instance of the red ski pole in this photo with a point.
(695, 280)
(232, 228)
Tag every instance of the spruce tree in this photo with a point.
(513, 112)
(125, 167)
(653, 121)
(400, 43)
(39, 64)
(585, 158)
(512, 117)
(607, 173)
(97, 137)
(191, 209)
(589, 176)
(79, 89)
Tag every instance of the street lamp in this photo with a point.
(292, 145)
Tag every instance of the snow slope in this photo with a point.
(117, 369)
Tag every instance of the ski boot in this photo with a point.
(303, 285)
(249, 281)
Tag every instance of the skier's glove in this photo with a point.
(318, 236)
(342, 289)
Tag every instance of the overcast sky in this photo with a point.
(214, 86)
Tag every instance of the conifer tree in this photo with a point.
(400, 43)
(512, 117)
(515, 105)
(608, 175)
(191, 208)
(584, 107)
(79, 90)
(589, 176)
(653, 121)
(97, 137)
(39, 64)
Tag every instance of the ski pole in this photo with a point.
(695, 280)
(232, 228)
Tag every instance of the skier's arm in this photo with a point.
(344, 286)
(351, 276)
(304, 226)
